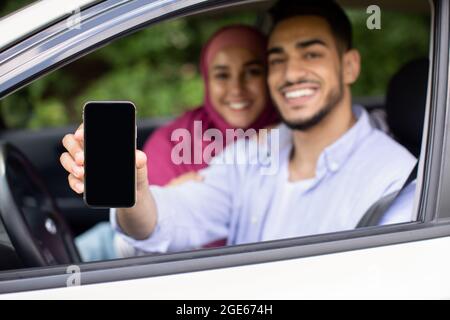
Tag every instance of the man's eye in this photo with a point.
(312, 55)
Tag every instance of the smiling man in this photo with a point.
(312, 65)
(333, 164)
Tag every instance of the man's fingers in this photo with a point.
(76, 184)
(67, 161)
(79, 135)
(71, 167)
(74, 147)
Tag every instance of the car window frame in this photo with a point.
(429, 179)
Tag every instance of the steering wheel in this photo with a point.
(36, 227)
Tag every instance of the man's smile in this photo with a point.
(296, 95)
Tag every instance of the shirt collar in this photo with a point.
(332, 158)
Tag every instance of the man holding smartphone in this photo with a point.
(333, 163)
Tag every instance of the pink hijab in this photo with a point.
(158, 148)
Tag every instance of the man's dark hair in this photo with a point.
(328, 9)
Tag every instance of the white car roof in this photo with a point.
(36, 16)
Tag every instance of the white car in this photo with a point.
(38, 258)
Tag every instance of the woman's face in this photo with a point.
(237, 86)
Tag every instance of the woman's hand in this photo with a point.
(188, 176)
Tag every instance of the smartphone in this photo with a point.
(109, 154)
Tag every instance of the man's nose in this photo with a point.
(295, 70)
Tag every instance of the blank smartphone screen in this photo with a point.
(109, 151)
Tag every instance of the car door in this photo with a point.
(363, 263)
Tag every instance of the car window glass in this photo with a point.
(158, 69)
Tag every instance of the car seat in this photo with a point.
(405, 104)
(405, 111)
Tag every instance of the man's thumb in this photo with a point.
(141, 160)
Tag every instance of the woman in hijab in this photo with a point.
(233, 67)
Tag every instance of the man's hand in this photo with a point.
(138, 221)
(73, 162)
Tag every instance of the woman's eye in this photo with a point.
(276, 61)
(255, 72)
(221, 76)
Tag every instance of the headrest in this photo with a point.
(406, 102)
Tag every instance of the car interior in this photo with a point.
(39, 229)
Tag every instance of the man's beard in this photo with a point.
(332, 100)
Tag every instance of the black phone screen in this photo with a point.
(109, 153)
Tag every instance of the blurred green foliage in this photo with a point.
(402, 38)
(157, 68)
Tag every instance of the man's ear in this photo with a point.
(351, 66)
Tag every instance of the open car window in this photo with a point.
(158, 68)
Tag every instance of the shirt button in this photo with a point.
(334, 166)
(254, 220)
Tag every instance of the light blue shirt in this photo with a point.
(237, 202)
